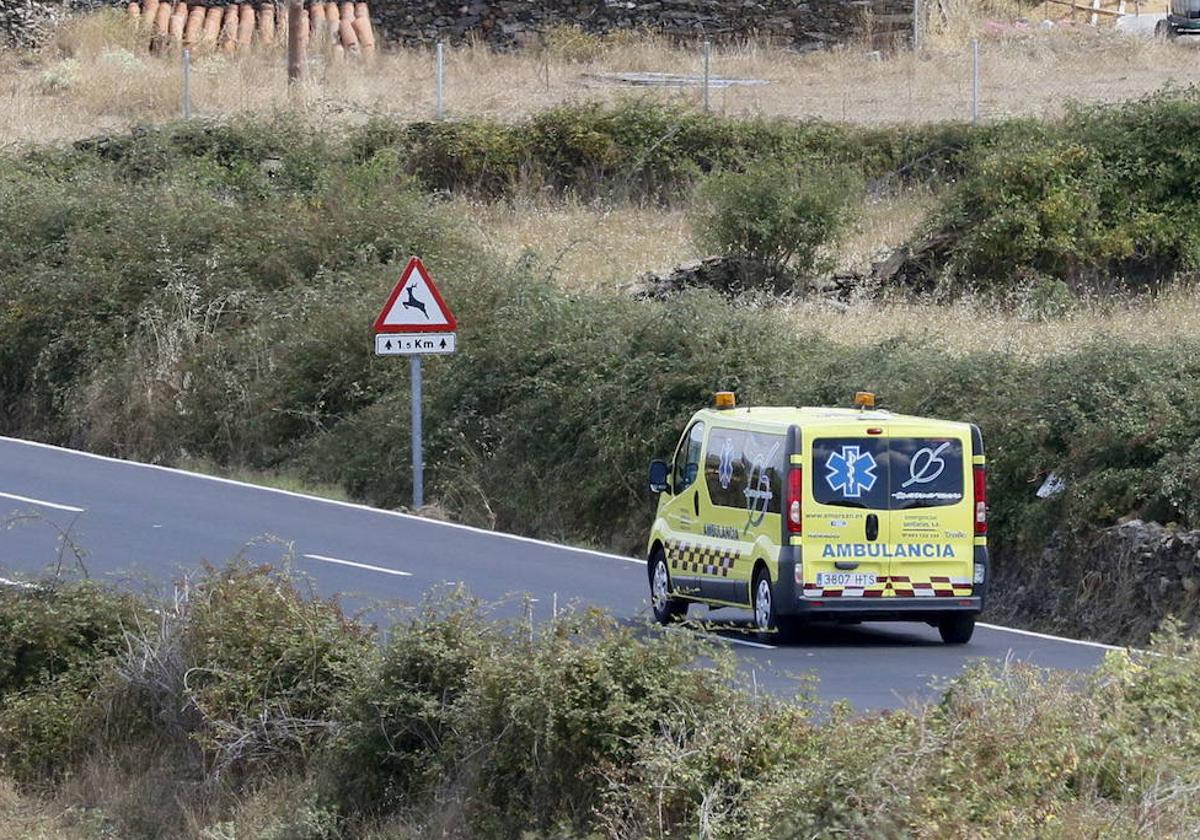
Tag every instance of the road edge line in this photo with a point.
(1051, 637)
(351, 505)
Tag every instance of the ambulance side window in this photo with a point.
(687, 459)
(745, 469)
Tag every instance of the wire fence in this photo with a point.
(1017, 71)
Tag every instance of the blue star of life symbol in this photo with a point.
(851, 472)
(725, 468)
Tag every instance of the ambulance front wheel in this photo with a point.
(666, 609)
(956, 628)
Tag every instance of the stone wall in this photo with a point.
(1116, 585)
(506, 24)
(804, 24)
(26, 23)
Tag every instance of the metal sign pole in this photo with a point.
(418, 462)
(707, 52)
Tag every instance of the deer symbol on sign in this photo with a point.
(411, 301)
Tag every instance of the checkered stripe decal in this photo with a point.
(896, 586)
(701, 559)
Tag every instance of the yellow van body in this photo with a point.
(823, 513)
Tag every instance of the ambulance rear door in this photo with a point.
(847, 525)
(932, 513)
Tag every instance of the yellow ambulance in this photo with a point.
(835, 514)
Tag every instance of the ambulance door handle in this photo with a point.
(872, 527)
(696, 502)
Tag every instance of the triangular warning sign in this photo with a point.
(415, 305)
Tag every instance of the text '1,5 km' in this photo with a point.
(404, 345)
(415, 321)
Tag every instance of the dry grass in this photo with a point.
(98, 78)
(584, 248)
(970, 326)
(589, 248)
(25, 817)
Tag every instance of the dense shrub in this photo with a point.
(465, 726)
(56, 641)
(778, 221)
(238, 673)
(50, 630)
(1104, 202)
(244, 669)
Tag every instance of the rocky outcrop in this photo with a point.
(731, 277)
(1117, 586)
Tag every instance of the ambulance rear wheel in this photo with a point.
(956, 628)
(766, 620)
(666, 609)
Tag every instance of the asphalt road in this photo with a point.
(147, 525)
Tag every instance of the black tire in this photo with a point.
(956, 628)
(762, 604)
(1160, 30)
(666, 608)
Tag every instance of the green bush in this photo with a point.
(47, 728)
(256, 641)
(778, 221)
(468, 726)
(247, 669)
(1102, 202)
(50, 630)
(57, 641)
(526, 733)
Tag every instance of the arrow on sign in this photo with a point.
(443, 343)
(389, 344)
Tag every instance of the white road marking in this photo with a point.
(42, 503)
(336, 502)
(366, 566)
(19, 584)
(1051, 638)
(746, 642)
(711, 636)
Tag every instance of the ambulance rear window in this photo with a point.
(887, 473)
(925, 472)
(850, 472)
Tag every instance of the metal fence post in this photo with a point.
(707, 54)
(441, 75)
(187, 83)
(975, 82)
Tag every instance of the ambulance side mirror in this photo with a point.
(659, 473)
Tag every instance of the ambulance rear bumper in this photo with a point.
(790, 601)
(882, 609)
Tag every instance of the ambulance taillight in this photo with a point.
(980, 499)
(795, 509)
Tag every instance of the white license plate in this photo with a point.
(863, 579)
